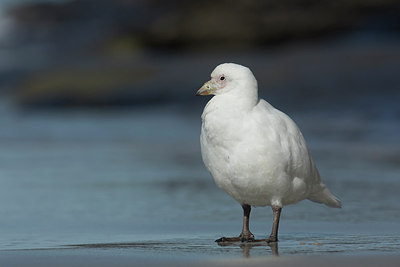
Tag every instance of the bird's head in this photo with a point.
(230, 78)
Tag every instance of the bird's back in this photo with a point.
(259, 155)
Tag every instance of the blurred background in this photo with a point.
(99, 125)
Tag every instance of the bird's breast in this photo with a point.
(222, 130)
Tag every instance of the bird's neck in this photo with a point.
(231, 105)
(246, 97)
(242, 100)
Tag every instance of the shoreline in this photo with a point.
(87, 257)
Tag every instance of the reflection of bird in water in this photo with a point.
(255, 152)
(247, 246)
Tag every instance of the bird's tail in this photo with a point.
(326, 197)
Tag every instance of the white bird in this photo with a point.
(255, 152)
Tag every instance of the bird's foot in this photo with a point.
(248, 237)
(228, 239)
(272, 239)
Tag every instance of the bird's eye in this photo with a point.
(222, 78)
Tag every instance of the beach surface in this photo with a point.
(126, 186)
(87, 191)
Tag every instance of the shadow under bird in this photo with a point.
(255, 152)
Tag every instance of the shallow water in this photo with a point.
(132, 182)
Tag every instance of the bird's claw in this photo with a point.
(272, 239)
(247, 239)
(228, 239)
(242, 239)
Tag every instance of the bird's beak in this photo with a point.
(207, 89)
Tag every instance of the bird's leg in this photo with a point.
(246, 235)
(274, 234)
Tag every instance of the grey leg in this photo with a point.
(246, 235)
(274, 233)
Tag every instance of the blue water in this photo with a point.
(133, 176)
(131, 179)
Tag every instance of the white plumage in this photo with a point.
(255, 152)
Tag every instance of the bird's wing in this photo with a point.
(291, 142)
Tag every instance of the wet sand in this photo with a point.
(114, 257)
(127, 187)
(128, 198)
(300, 261)
(308, 248)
